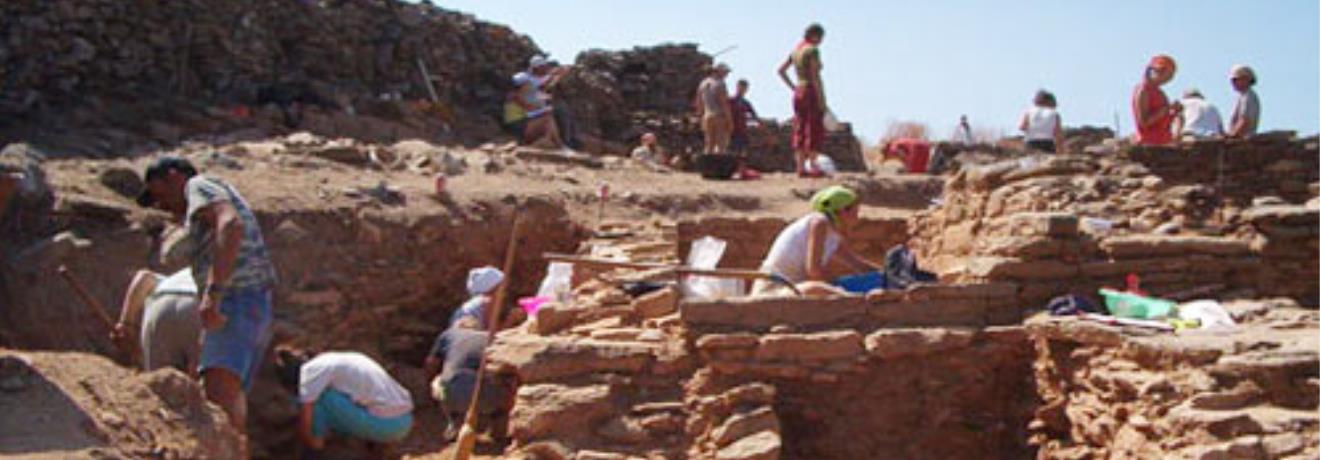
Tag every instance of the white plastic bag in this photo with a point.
(558, 282)
(705, 254)
(1209, 313)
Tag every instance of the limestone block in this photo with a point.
(743, 424)
(907, 343)
(726, 341)
(949, 312)
(539, 359)
(541, 411)
(822, 346)
(762, 313)
(1001, 267)
(961, 291)
(554, 317)
(760, 446)
(750, 393)
(624, 430)
(656, 304)
(1152, 245)
(1052, 224)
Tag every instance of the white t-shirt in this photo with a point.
(788, 254)
(181, 282)
(1041, 122)
(357, 376)
(713, 95)
(1201, 118)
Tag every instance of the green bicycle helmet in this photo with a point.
(833, 199)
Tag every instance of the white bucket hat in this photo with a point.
(483, 280)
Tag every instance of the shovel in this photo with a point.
(467, 436)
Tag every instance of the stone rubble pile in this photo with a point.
(1108, 392)
(57, 54)
(617, 96)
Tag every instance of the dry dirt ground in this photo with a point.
(77, 405)
(276, 176)
(304, 174)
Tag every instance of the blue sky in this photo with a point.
(930, 61)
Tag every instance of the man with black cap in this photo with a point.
(233, 272)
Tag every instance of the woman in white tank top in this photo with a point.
(802, 250)
(1041, 124)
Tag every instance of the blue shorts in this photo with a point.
(239, 345)
(335, 412)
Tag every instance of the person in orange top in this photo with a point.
(1151, 109)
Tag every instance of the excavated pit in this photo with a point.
(943, 371)
(351, 279)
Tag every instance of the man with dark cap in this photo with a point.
(233, 272)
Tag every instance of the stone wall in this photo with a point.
(1239, 170)
(890, 374)
(1109, 392)
(748, 240)
(1070, 224)
(1287, 240)
(62, 54)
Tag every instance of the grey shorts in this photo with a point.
(171, 332)
(455, 395)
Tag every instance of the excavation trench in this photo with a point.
(943, 371)
(350, 279)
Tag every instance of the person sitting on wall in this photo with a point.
(649, 153)
(1150, 107)
(529, 118)
(1246, 111)
(546, 74)
(1199, 118)
(802, 250)
(347, 394)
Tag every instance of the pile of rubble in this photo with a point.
(109, 56)
(605, 86)
(619, 95)
(76, 405)
(1125, 393)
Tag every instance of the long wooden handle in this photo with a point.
(492, 323)
(681, 269)
(92, 304)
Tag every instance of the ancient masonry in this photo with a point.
(966, 368)
(174, 69)
(952, 370)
